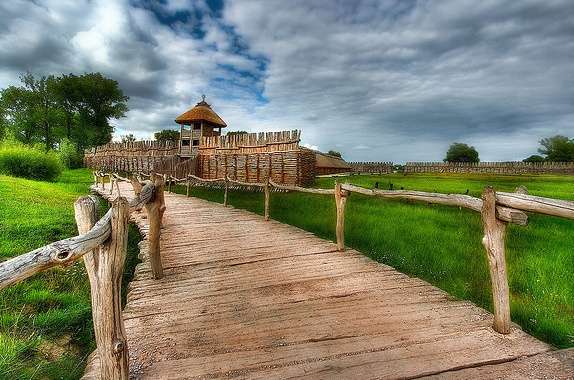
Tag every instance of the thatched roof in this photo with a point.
(323, 160)
(201, 112)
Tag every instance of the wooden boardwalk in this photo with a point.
(245, 298)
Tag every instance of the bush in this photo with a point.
(22, 161)
(69, 155)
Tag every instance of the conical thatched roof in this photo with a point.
(201, 112)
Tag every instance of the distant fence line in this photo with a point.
(491, 167)
(371, 167)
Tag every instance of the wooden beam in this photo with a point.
(225, 192)
(537, 204)
(105, 266)
(267, 196)
(504, 213)
(340, 202)
(493, 241)
(155, 210)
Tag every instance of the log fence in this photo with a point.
(102, 243)
(497, 209)
(103, 246)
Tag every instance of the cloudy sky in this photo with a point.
(376, 80)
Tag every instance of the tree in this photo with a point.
(45, 109)
(167, 135)
(128, 138)
(66, 91)
(100, 99)
(334, 153)
(534, 158)
(459, 152)
(557, 148)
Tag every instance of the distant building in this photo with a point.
(202, 122)
(327, 164)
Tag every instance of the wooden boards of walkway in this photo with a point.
(244, 298)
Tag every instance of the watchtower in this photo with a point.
(202, 122)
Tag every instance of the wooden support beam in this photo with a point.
(225, 192)
(105, 265)
(155, 210)
(267, 196)
(493, 241)
(340, 202)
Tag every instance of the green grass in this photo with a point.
(442, 244)
(45, 322)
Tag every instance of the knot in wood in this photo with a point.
(62, 253)
(118, 347)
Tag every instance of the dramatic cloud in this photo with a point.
(376, 80)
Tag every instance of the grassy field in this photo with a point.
(442, 244)
(45, 322)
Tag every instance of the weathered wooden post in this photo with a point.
(169, 184)
(493, 241)
(267, 196)
(187, 186)
(155, 210)
(225, 192)
(105, 266)
(340, 202)
(112, 180)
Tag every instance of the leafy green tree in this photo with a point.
(45, 109)
(459, 152)
(66, 90)
(128, 138)
(167, 135)
(100, 99)
(334, 153)
(557, 148)
(534, 158)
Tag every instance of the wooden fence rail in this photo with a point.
(103, 245)
(497, 209)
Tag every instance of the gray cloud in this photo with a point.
(392, 80)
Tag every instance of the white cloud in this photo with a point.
(392, 80)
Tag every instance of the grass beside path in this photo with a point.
(45, 322)
(442, 244)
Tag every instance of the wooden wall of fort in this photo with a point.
(491, 167)
(371, 167)
(251, 157)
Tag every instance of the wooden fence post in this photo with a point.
(267, 196)
(225, 193)
(155, 210)
(105, 266)
(112, 179)
(169, 184)
(340, 201)
(187, 186)
(493, 241)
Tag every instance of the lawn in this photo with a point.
(45, 322)
(441, 244)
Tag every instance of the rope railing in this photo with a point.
(103, 246)
(497, 209)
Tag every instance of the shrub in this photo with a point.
(23, 161)
(69, 155)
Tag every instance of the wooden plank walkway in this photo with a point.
(245, 298)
